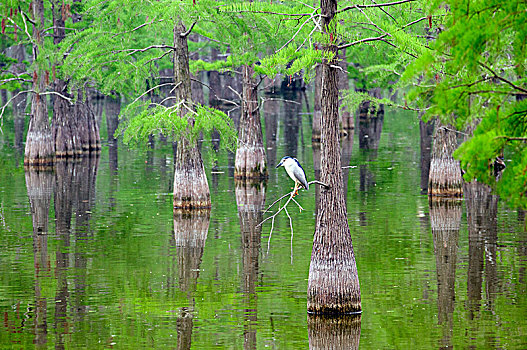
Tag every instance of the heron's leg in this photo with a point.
(296, 189)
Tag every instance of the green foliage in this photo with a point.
(475, 72)
(140, 123)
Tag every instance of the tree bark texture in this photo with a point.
(327, 332)
(40, 150)
(250, 160)
(445, 173)
(191, 189)
(333, 285)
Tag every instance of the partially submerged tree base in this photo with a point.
(445, 178)
(191, 189)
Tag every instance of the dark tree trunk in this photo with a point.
(371, 120)
(113, 108)
(317, 109)
(426, 131)
(40, 150)
(445, 173)
(345, 116)
(333, 285)
(214, 80)
(292, 121)
(271, 114)
(65, 132)
(336, 333)
(19, 103)
(250, 155)
(191, 189)
(445, 219)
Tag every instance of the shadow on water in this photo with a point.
(250, 199)
(445, 219)
(334, 333)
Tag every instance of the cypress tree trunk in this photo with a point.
(445, 173)
(191, 189)
(333, 285)
(64, 128)
(426, 130)
(250, 155)
(40, 150)
(317, 108)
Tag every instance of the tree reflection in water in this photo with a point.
(445, 219)
(190, 234)
(334, 332)
(250, 199)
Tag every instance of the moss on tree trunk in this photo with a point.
(333, 285)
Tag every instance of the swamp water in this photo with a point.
(93, 257)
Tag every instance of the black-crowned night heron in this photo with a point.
(295, 172)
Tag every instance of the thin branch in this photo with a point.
(319, 183)
(155, 87)
(503, 79)
(298, 31)
(374, 5)
(184, 35)
(362, 41)
(386, 12)
(138, 27)
(132, 51)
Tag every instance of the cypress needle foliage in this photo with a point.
(124, 46)
(475, 73)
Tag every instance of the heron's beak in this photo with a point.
(279, 164)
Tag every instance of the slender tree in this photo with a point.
(333, 285)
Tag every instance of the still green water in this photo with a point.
(92, 256)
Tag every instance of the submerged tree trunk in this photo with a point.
(333, 285)
(445, 173)
(40, 150)
(250, 155)
(191, 189)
